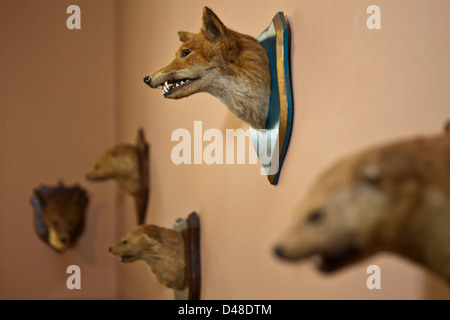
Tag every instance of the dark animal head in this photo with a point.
(59, 214)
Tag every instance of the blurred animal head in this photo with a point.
(59, 215)
(120, 163)
(336, 221)
(162, 249)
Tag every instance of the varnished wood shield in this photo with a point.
(190, 229)
(141, 200)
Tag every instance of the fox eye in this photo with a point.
(124, 242)
(315, 216)
(185, 52)
(55, 223)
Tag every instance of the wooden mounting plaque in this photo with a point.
(141, 200)
(190, 229)
(271, 144)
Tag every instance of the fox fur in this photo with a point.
(120, 163)
(59, 215)
(162, 249)
(231, 66)
(391, 198)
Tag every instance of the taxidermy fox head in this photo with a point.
(231, 66)
(59, 215)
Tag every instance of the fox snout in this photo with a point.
(148, 80)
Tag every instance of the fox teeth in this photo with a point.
(165, 88)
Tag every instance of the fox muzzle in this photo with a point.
(148, 80)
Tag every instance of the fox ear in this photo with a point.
(185, 36)
(213, 29)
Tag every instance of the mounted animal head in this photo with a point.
(120, 163)
(231, 66)
(59, 215)
(161, 248)
(392, 197)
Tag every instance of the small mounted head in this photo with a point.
(59, 215)
(160, 248)
(140, 243)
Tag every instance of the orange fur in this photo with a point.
(231, 66)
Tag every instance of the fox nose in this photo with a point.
(109, 249)
(63, 240)
(147, 80)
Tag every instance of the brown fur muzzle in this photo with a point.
(160, 248)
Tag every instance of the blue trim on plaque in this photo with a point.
(275, 39)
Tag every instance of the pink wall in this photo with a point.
(67, 95)
(56, 116)
(352, 87)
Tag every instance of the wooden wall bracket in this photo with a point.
(271, 144)
(190, 229)
(141, 200)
